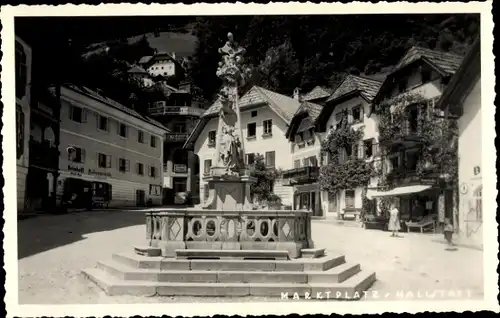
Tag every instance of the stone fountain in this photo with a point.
(226, 248)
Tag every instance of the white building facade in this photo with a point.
(112, 147)
(265, 116)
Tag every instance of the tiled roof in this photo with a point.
(446, 62)
(137, 69)
(102, 98)
(283, 105)
(368, 88)
(317, 93)
(145, 59)
(312, 109)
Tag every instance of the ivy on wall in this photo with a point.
(350, 173)
(262, 190)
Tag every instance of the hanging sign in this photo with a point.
(464, 188)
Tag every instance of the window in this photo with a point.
(140, 136)
(413, 119)
(123, 165)
(270, 156)
(251, 130)
(152, 141)
(206, 192)
(103, 123)
(411, 160)
(250, 157)
(104, 161)
(268, 127)
(313, 161)
(254, 113)
(368, 148)
(207, 166)
(299, 138)
(140, 169)
(152, 172)
(21, 71)
(394, 162)
(179, 184)
(76, 155)
(122, 130)
(211, 138)
(357, 114)
(296, 164)
(349, 198)
(180, 128)
(425, 76)
(338, 119)
(76, 114)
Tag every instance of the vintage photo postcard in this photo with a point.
(249, 159)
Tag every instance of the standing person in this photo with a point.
(448, 233)
(394, 225)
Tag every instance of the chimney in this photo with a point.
(296, 94)
(173, 55)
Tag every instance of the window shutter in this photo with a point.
(350, 119)
(71, 111)
(361, 150)
(118, 164)
(361, 113)
(108, 161)
(374, 148)
(82, 155)
(149, 170)
(84, 115)
(137, 168)
(117, 127)
(127, 165)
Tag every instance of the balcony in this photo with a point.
(176, 137)
(301, 175)
(407, 135)
(160, 109)
(406, 177)
(42, 155)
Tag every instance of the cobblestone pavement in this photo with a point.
(53, 250)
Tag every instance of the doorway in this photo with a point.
(140, 198)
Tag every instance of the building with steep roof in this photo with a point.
(318, 95)
(265, 116)
(141, 75)
(311, 125)
(162, 64)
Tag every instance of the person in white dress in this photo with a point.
(394, 225)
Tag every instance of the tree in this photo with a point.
(262, 190)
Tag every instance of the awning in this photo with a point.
(370, 194)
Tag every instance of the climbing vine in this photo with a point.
(343, 171)
(438, 136)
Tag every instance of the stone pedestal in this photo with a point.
(228, 192)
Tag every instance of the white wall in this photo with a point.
(469, 149)
(162, 67)
(277, 143)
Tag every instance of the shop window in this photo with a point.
(104, 161)
(152, 141)
(349, 198)
(268, 127)
(140, 137)
(140, 169)
(251, 130)
(270, 159)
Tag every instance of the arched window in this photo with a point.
(21, 71)
(49, 136)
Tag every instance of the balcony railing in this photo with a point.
(301, 175)
(43, 155)
(408, 134)
(404, 177)
(176, 110)
(176, 137)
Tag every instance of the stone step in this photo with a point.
(123, 272)
(345, 290)
(231, 254)
(298, 265)
(312, 252)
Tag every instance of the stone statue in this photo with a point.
(233, 75)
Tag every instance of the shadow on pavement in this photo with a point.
(36, 235)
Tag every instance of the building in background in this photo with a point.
(180, 113)
(110, 154)
(350, 102)
(141, 76)
(462, 99)
(162, 63)
(424, 74)
(265, 116)
(23, 59)
(305, 151)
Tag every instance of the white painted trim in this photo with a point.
(110, 144)
(99, 107)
